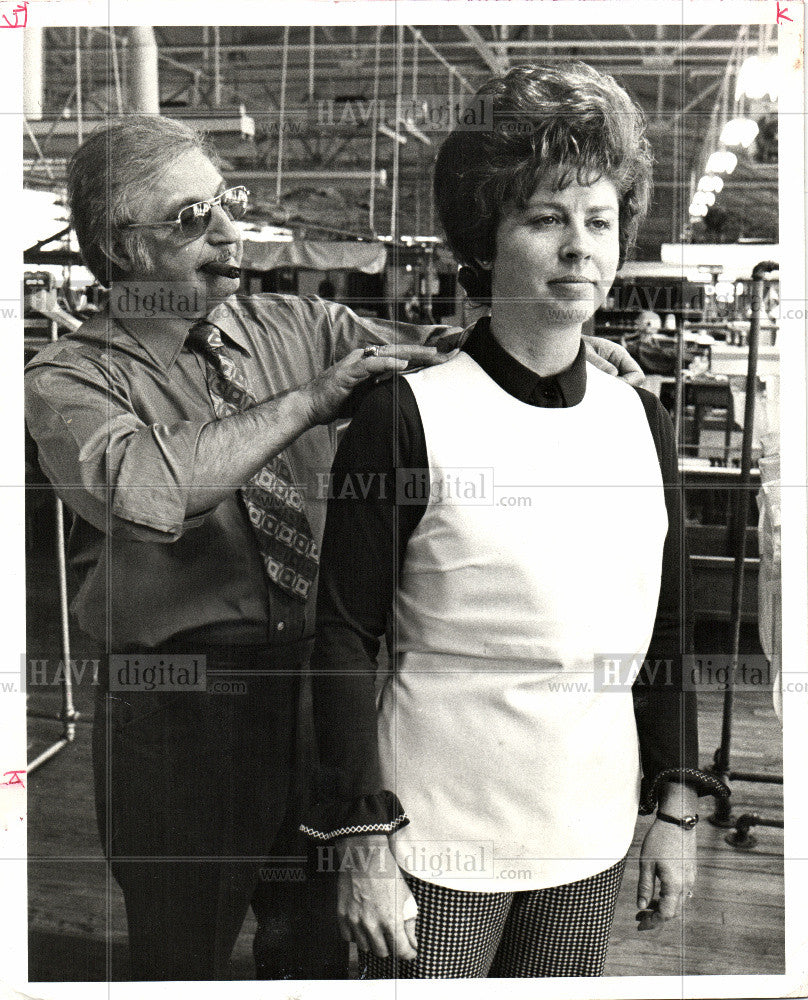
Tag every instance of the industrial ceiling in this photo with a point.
(298, 102)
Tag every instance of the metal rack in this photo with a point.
(741, 838)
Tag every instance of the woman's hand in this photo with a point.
(371, 899)
(669, 854)
(613, 359)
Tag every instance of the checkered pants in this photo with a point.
(560, 931)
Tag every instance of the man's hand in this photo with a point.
(371, 899)
(669, 854)
(613, 359)
(326, 394)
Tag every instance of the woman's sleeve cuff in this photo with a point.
(702, 782)
(377, 813)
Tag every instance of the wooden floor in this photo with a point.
(77, 924)
(735, 921)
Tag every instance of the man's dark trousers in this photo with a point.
(198, 798)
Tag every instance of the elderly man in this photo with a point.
(187, 430)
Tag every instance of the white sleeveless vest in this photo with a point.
(514, 771)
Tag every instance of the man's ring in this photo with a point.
(371, 351)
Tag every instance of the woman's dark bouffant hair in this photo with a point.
(573, 120)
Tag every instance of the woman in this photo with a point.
(507, 514)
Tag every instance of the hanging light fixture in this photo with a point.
(722, 161)
(697, 210)
(739, 132)
(758, 76)
(711, 182)
(704, 198)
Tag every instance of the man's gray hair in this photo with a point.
(106, 179)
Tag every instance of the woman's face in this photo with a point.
(558, 256)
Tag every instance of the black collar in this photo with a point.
(521, 382)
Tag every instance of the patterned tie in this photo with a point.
(274, 505)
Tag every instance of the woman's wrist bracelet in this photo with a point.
(686, 822)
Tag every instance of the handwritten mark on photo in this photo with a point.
(781, 13)
(20, 15)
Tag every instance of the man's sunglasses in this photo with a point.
(194, 219)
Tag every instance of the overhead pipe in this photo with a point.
(33, 80)
(720, 45)
(144, 90)
(316, 176)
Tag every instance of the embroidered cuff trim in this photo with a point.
(346, 831)
(703, 782)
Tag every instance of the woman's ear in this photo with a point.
(476, 281)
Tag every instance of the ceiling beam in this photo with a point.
(419, 37)
(722, 45)
(699, 33)
(699, 97)
(494, 60)
(594, 42)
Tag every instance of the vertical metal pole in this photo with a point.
(679, 402)
(204, 52)
(426, 301)
(217, 67)
(311, 63)
(282, 114)
(415, 70)
(116, 73)
(125, 64)
(79, 96)
(722, 754)
(68, 715)
(419, 173)
(396, 146)
(68, 708)
(374, 139)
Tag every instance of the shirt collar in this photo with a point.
(225, 317)
(514, 377)
(162, 343)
